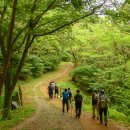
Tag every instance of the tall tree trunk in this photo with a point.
(7, 98)
(9, 47)
(75, 59)
(10, 86)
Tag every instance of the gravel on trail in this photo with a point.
(49, 118)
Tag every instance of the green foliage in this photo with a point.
(104, 62)
(84, 75)
(50, 62)
(37, 65)
(15, 96)
(65, 56)
(1, 103)
(26, 71)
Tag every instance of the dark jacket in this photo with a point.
(78, 99)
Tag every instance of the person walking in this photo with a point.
(95, 109)
(56, 90)
(53, 87)
(78, 103)
(50, 91)
(103, 107)
(70, 97)
(65, 100)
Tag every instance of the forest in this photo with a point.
(37, 35)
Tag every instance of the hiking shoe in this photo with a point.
(105, 124)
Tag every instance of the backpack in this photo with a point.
(70, 94)
(65, 96)
(103, 101)
(50, 89)
(79, 98)
(94, 99)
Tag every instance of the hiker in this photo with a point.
(53, 87)
(78, 103)
(50, 91)
(70, 97)
(95, 96)
(65, 100)
(103, 107)
(56, 90)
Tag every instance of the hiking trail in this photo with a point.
(48, 115)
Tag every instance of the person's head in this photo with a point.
(95, 90)
(68, 89)
(102, 91)
(65, 89)
(52, 81)
(78, 91)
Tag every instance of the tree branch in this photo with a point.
(71, 22)
(38, 17)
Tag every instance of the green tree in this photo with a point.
(21, 22)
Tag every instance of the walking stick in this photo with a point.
(72, 109)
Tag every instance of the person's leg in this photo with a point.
(105, 116)
(93, 111)
(76, 111)
(68, 103)
(79, 112)
(63, 106)
(67, 106)
(51, 96)
(100, 114)
(97, 109)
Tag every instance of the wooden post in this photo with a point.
(60, 92)
(20, 96)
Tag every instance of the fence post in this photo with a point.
(20, 96)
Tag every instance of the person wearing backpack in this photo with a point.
(94, 104)
(103, 107)
(65, 100)
(70, 95)
(78, 103)
(50, 91)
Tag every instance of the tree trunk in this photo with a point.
(8, 54)
(10, 86)
(7, 102)
(75, 59)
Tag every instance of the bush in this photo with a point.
(36, 65)
(65, 57)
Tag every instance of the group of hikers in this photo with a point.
(53, 90)
(100, 105)
(99, 102)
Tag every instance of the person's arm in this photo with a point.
(108, 101)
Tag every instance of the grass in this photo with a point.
(18, 115)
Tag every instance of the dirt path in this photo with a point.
(49, 116)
